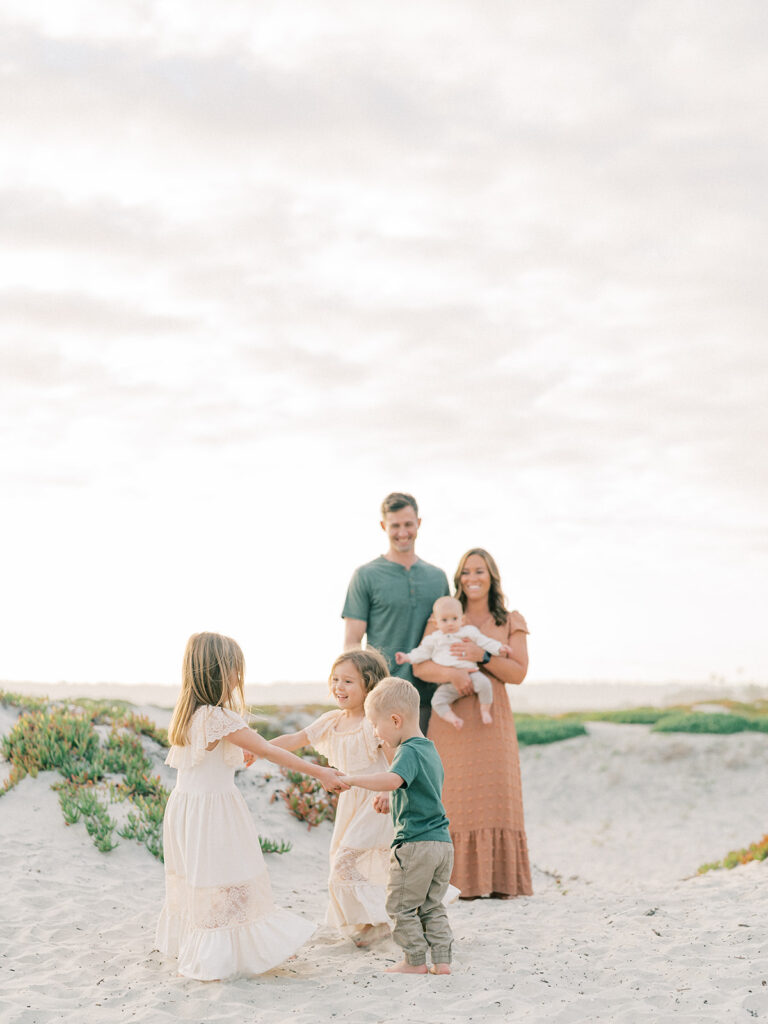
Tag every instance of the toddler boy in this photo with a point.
(422, 852)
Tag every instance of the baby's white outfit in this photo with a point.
(437, 647)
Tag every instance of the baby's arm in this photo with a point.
(385, 782)
(421, 653)
(246, 738)
(486, 642)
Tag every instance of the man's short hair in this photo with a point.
(393, 695)
(397, 500)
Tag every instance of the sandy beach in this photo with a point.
(620, 927)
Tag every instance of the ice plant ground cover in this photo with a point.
(104, 753)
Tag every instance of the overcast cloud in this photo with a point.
(260, 266)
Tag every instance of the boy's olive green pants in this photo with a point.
(418, 880)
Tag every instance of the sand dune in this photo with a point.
(619, 929)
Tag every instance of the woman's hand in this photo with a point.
(462, 682)
(467, 650)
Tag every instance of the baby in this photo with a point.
(436, 647)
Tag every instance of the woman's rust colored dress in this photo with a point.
(482, 792)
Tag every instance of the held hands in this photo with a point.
(331, 780)
(381, 803)
(401, 658)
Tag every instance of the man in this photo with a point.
(390, 599)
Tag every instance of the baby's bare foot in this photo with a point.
(455, 721)
(405, 968)
(485, 714)
(440, 969)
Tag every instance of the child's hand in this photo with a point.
(248, 758)
(381, 803)
(507, 651)
(332, 780)
(401, 658)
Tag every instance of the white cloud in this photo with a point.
(261, 267)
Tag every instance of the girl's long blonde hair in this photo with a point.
(213, 673)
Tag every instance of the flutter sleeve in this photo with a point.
(516, 624)
(320, 732)
(208, 725)
(371, 740)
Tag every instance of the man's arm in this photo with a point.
(354, 631)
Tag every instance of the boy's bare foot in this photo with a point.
(404, 968)
(485, 714)
(440, 969)
(369, 934)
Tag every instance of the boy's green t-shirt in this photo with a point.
(417, 807)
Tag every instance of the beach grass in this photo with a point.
(755, 851)
(533, 729)
(61, 737)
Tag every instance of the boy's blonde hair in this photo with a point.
(370, 663)
(213, 673)
(393, 695)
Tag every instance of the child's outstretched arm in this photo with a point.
(385, 782)
(292, 740)
(246, 738)
(288, 741)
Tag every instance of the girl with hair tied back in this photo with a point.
(219, 917)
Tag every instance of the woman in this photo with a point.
(482, 791)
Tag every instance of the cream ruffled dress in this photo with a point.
(219, 917)
(360, 845)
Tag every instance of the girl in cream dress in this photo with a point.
(219, 917)
(362, 835)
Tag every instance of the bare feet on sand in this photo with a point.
(440, 969)
(369, 934)
(404, 968)
(485, 714)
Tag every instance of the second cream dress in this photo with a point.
(360, 845)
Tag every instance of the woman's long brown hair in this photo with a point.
(496, 599)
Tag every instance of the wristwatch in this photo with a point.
(486, 658)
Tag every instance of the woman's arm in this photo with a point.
(292, 740)
(512, 669)
(430, 672)
(250, 740)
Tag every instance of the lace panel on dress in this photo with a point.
(354, 867)
(218, 906)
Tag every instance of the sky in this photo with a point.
(264, 263)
